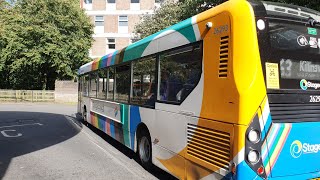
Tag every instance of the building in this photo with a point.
(114, 22)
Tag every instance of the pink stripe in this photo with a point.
(270, 139)
(107, 124)
(274, 135)
(109, 59)
(265, 147)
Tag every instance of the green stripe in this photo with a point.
(188, 31)
(125, 122)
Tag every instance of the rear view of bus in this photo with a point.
(289, 43)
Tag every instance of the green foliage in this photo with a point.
(41, 41)
(173, 12)
(167, 15)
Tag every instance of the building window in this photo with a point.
(111, 5)
(157, 3)
(88, 4)
(123, 24)
(135, 5)
(111, 45)
(99, 25)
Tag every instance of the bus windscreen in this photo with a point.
(295, 47)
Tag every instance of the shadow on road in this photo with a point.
(26, 132)
(157, 172)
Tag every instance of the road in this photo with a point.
(46, 141)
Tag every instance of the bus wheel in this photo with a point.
(144, 150)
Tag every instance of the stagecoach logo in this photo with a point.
(297, 148)
(304, 84)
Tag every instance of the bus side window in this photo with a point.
(102, 79)
(180, 72)
(93, 85)
(110, 83)
(85, 89)
(122, 84)
(143, 85)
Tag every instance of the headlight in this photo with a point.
(253, 157)
(254, 136)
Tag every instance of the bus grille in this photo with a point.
(224, 56)
(295, 112)
(208, 145)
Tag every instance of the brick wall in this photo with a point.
(111, 24)
(99, 5)
(99, 46)
(132, 21)
(123, 4)
(122, 42)
(147, 4)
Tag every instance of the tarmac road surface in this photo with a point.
(46, 141)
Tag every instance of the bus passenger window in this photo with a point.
(85, 85)
(102, 80)
(122, 85)
(143, 85)
(180, 72)
(93, 85)
(110, 83)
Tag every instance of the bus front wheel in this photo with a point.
(144, 150)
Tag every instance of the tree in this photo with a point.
(167, 15)
(172, 12)
(41, 41)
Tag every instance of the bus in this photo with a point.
(231, 93)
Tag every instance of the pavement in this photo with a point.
(47, 141)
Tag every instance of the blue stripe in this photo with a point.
(266, 127)
(135, 120)
(112, 130)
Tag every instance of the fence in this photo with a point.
(27, 95)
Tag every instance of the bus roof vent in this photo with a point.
(208, 145)
(224, 56)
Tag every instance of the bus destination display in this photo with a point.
(299, 69)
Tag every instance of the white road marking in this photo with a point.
(11, 130)
(39, 124)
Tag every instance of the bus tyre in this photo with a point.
(144, 150)
(84, 116)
